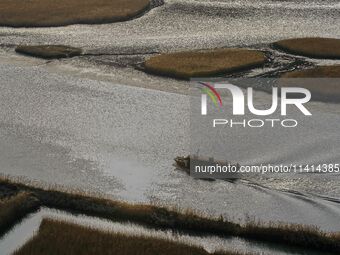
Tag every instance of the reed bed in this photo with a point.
(56, 237)
(183, 221)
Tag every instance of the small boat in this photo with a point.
(183, 163)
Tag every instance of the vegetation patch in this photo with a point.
(293, 235)
(325, 89)
(13, 209)
(149, 215)
(311, 47)
(49, 13)
(164, 218)
(59, 238)
(49, 51)
(186, 65)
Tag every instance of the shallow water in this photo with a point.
(74, 123)
(121, 141)
(24, 231)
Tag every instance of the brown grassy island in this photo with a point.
(50, 13)
(327, 48)
(48, 51)
(190, 64)
(316, 72)
(58, 238)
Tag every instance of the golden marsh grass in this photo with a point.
(190, 64)
(311, 47)
(58, 238)
(49, 13)
(185, 221)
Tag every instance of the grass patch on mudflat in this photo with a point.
(294, 235)
(185, 221)
(13, 209)
(311, 47)
(58, 238)
(149, 215)
(48, 51)
(322, 81)
(49, 13)
(190, 64)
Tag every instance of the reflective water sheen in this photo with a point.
(76, 123)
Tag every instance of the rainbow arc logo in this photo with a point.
(212, 93)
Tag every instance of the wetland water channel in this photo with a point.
(121, 141)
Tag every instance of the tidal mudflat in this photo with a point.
(48, 51)
(91, 156)
(99, 123)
